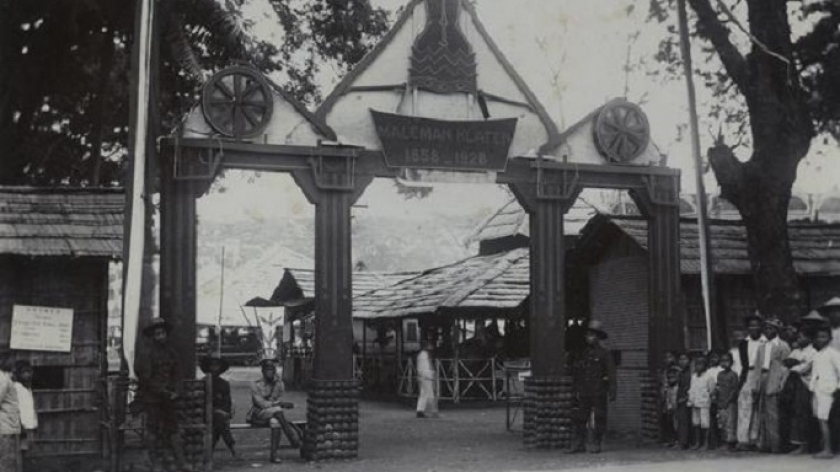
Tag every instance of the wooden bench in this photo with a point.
(300, 425)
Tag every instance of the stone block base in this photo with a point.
(332, 420)
(548, 407)
(650, 407)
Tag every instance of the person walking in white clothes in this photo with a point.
(426, 402)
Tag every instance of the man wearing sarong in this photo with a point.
(214, 366)
(751, 354)
(426, 400)
(774, 375)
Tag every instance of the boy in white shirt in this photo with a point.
(26, 403)
(825, 383)
(700, 401)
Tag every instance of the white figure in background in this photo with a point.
(426, 401)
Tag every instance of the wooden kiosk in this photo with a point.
(441, 101)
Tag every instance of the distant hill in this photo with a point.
(380, 243)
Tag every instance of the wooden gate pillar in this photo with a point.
(659, 202)
(332, 407)
(547, 404)
(184, 176)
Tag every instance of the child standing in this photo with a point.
(670, 406)
(26, 404)
(666, 421)
(700, 401)
(825, 383)
(714, 369)
(726, 401)
(800, 361)
(683, 412)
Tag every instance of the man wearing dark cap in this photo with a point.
(594, 382)
(159, 377)
(214, 366)
(267, 406)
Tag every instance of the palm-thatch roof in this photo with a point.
(815, 246)
(77, 222)
(298, 285)
(511, 220)
(497, 281)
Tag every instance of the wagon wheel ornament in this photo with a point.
(237, 102)
(621, 131)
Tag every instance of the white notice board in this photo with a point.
(40, 328)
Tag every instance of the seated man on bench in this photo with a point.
(267, 406)
(214, 366)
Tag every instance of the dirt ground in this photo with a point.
(472, 439)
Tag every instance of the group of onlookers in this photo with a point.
(776, 390)
(18, 419)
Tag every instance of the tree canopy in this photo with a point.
(64, 80)
(776, 88)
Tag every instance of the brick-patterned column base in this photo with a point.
(194, 426)
(548, 407)
(649, 389)
(332, 420)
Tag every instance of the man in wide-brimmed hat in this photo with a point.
(831, 311)
(214, 366)
(268, 405)
(159, 380)
(594, 383)
(751, 355)
(773, 382)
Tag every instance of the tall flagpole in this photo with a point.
(706, 276)
(135, 186)
(221, 306)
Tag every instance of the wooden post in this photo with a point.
(547, 200)
(548, 307)
(333, 188)
(659, 202)
(177, 262)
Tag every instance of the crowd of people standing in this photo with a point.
(776, 390)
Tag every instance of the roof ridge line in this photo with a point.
(499, 267)
(484, 224)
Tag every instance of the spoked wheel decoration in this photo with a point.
(621, 131)
(237, 102)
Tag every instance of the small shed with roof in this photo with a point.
(55, 248)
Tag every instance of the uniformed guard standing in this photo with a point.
(593, 372)
(159, 376)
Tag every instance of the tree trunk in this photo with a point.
(762, 197)
(764, 210)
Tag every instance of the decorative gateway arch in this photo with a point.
(440, 101)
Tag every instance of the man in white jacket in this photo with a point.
(26, 403)
(825, 383)
(426, 401)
